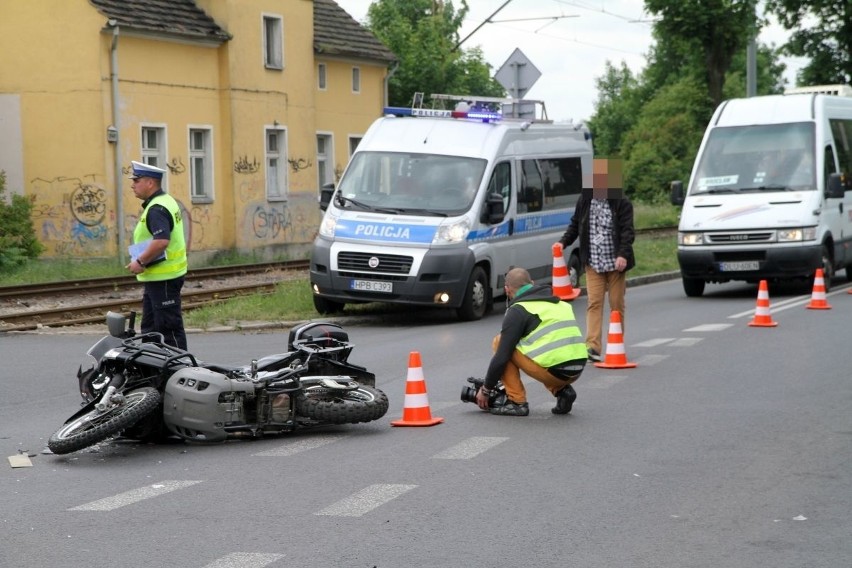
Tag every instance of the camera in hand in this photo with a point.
(496, 398)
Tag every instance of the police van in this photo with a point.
(769, 196)
(436, 205)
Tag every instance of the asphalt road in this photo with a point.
(727, 445)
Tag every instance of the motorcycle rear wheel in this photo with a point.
(363, 404)
(95, 426)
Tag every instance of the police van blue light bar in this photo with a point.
(482, 115)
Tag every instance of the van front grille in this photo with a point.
(383, 263)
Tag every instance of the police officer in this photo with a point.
(540, 337)
(158, 255)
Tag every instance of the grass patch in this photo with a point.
(291, 300)
(57, 270)
(655, 216)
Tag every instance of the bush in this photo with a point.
(18, 241)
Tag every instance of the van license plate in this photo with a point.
(371, 286)
(738, 266)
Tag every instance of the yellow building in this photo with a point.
(251, 105)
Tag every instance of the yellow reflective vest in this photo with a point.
(557, 339)
(175, 263)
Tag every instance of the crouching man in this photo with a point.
(540, 337)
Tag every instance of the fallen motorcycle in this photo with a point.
(141, 387)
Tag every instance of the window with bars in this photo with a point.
(200, 164)
(276, 164)
(273, 42)
(325, 160)
(154, 146)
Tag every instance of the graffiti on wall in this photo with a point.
(71, 215)
(243, 166)
(299, 164)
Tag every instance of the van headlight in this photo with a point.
(797, 235)
(690, 239)
(454, 232)
(326, 228)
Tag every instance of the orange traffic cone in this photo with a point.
(762, 317)
(562, 288)
(615, 358)
(415, 410)
(818, 301)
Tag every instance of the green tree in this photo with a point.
(828, 43)
(17, 238)
(616, 108)
(706, 34)
(662, 144)
(423, 34)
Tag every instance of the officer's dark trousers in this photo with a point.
(161, 311)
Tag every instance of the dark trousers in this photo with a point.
(161, 311)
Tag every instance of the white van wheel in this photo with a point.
(575, 270)
(475, 301)
(827, 268)
(693, 287)
(326, 306)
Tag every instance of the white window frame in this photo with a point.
(275, 164)
(354, 140)
(356, 80)
(325, 161)
(322, 76)
(156, 156)
(205, 155)
(272, 32)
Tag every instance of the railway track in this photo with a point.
(112, 283)
(93, 312)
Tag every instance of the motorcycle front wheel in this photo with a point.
(95, 426)
(332, 406)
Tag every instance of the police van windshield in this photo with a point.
(771, 157)
(411, 183)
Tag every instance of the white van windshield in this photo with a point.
(410, 183)
(772, 157)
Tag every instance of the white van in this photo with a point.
(769, 194)
(436, 205)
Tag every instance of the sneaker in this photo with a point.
(512, 409)
(594, 356)
(564, 400)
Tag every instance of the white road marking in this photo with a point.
(784, 304)
(710, 327)
(653, 342)
(651, 359)
(301, 445)
(470, 448)
(600, 381)
(245, 560)
(366, 500)
(687, 341)
(134, 496)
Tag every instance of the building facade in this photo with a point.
(251, 106)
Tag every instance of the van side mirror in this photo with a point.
(326, 191)
(836, 186)
(493, 212)
(677, 192)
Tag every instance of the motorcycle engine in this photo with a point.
(203, 405)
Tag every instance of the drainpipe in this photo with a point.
(119, 201)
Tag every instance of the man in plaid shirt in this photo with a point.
(603, 220)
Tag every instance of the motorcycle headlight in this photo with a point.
(454, 232)
(112, 353)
